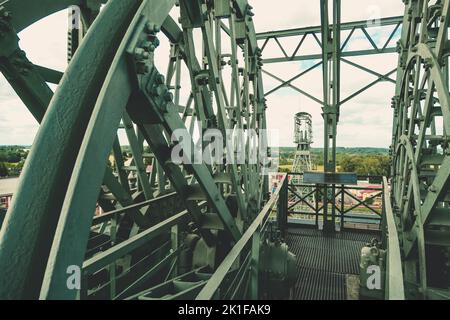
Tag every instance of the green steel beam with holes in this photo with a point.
(331, 103)
(36, 10)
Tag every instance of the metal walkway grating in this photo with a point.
(323, 262)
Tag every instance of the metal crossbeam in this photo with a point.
(304, 33)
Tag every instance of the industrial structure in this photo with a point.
(303, 138)
(202, 230)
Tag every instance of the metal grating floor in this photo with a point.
(323, 262)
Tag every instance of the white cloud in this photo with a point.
(365, 121)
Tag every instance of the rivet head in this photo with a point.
(160, 79)
(168, 96)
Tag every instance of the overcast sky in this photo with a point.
(365, 121)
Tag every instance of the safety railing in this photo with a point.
(394, 288)
(228, 280)
(353, 206)
(105, 226)
(99, 276)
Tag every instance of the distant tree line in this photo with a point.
(375, 165)
(3, 170)
(363, 161)
(12, 156)
(12, 160)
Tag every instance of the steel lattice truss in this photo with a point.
(421, 160)
(303, 137)
(184, 231)
(301, 35)
(112, 84)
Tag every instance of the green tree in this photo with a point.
(3, 170)
(13, 157)
(376, 165)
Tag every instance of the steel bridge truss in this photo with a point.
(300, 35)
(200, 230)
(113, 84)
(308, 207)
(420, 149)
(333, 51)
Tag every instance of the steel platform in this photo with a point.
(325, 262)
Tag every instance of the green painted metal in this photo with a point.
(394, 287)
(72, 231)
(334, 51)
(211, 288)
(102, 260)
(70, 108)
(312, 209)
(331, 102)
(316, 29)
(388, 46)
(421, 165)
(114, 83)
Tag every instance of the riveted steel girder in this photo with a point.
(71, 107)
(420, 150)
(109, 88)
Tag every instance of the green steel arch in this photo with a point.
(112, 84)
(420, 171)
(183, 231)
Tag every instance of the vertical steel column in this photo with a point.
(74, 33)
(112, 266)
(342, 207)
(317, 204)
(282, 208)
(254, 272)
(80, 20)
(175, 242)
(331, 47)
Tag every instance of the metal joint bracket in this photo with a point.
(8, 38)
(142, 46)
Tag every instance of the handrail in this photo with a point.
(211, 287)
(338, 187)
(394, 278)
(109, 256)
(314, 207)
(111, 214)
(358, 176)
